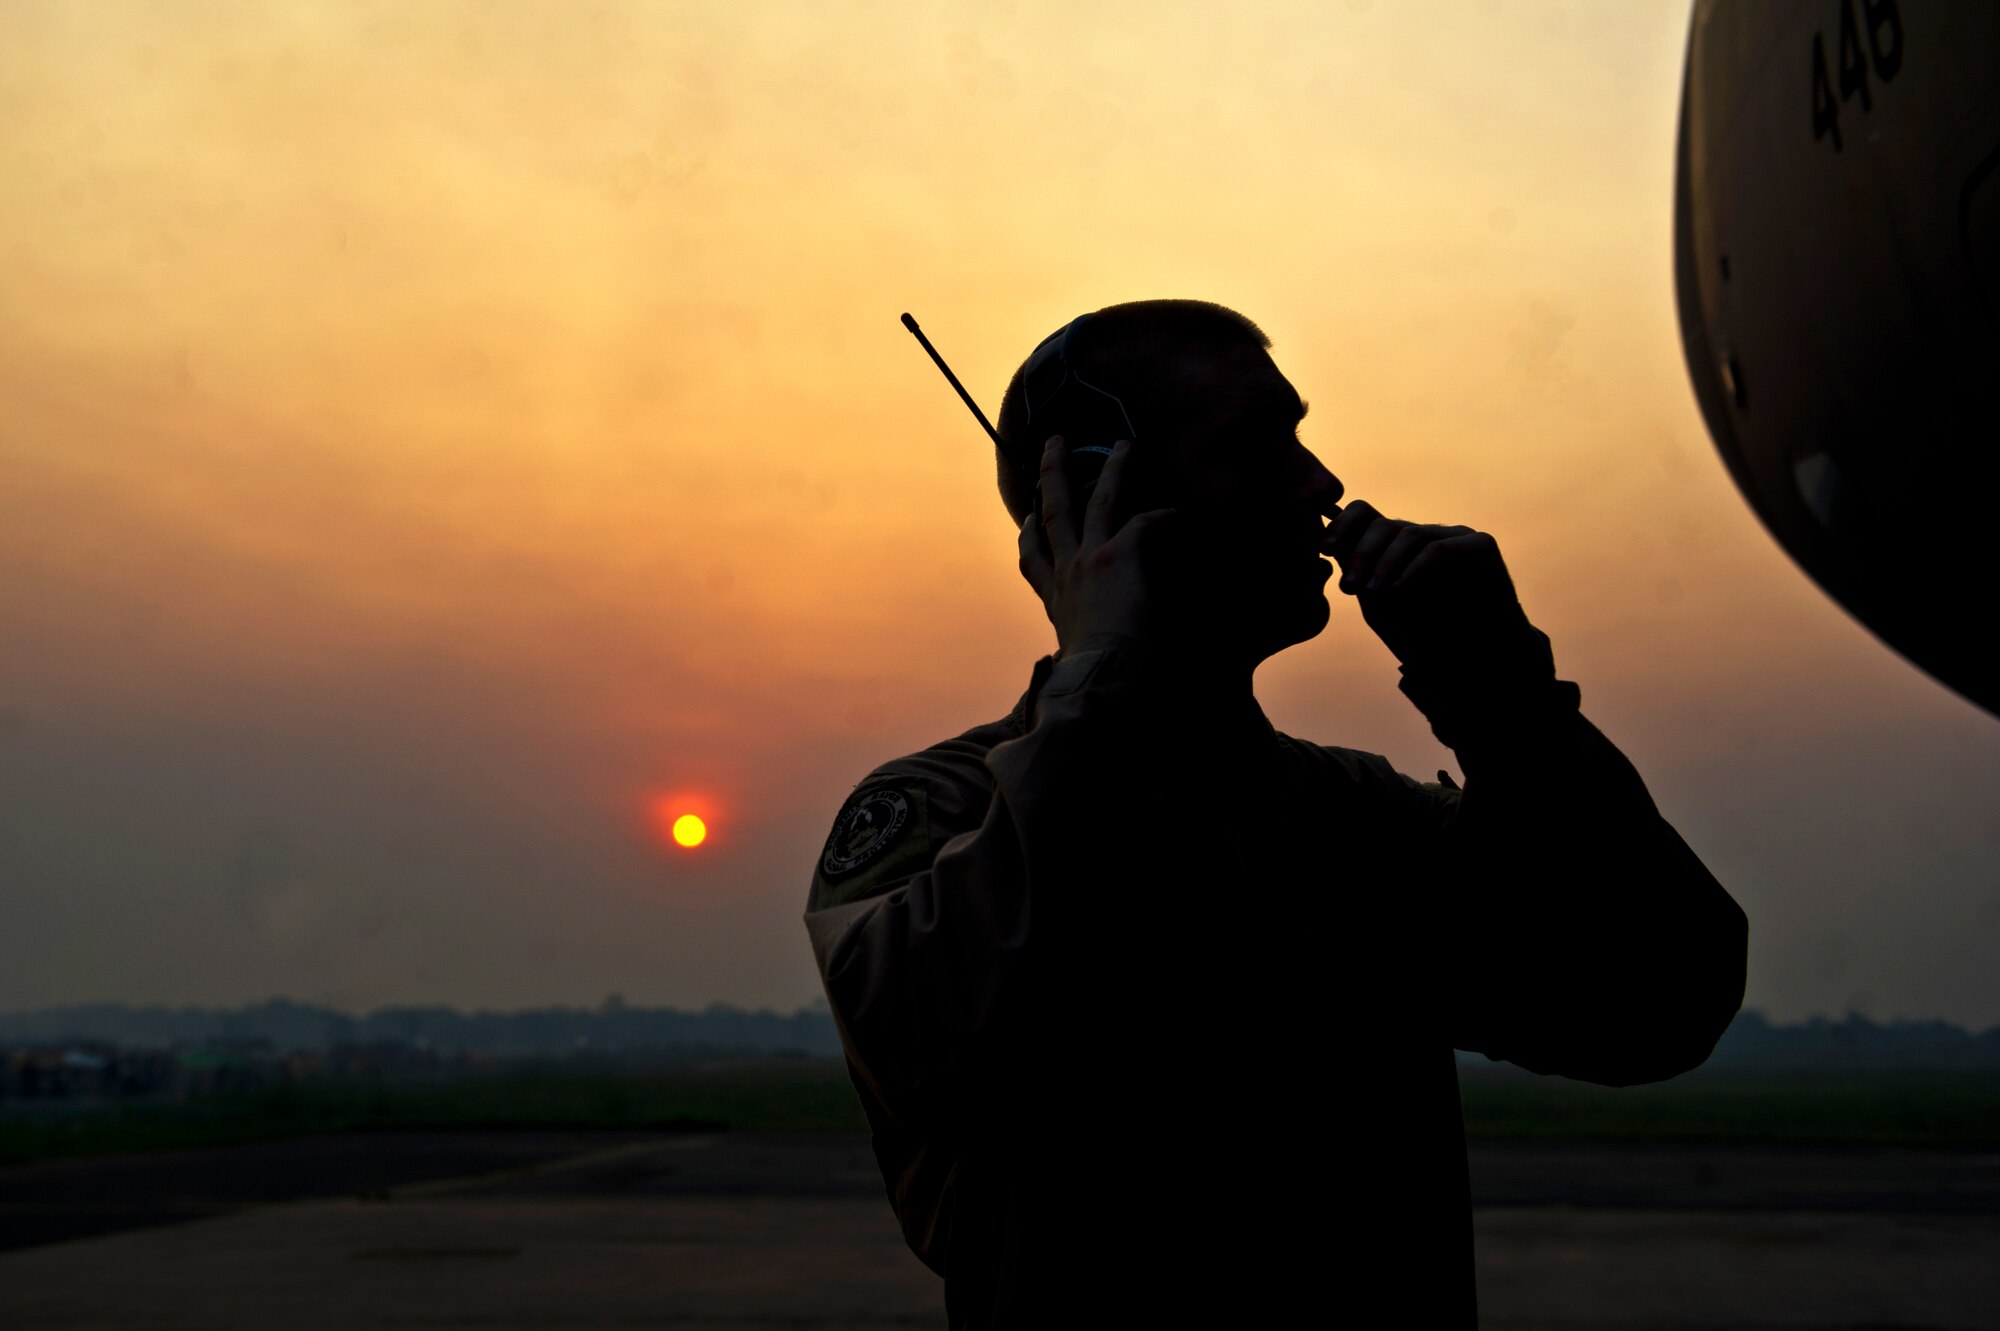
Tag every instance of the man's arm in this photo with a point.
(951, 972)
(940, 982)
(1583, 936)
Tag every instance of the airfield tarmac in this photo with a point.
(742, 1231)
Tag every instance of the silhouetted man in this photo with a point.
(1152, 1007)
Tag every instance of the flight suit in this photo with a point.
(1152, 1007)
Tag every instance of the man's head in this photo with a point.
(1215, 436)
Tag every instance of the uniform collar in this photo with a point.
(1022, 718)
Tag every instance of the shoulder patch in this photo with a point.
(881, 835)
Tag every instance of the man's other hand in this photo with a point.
(1098, 579)
(1433, 594)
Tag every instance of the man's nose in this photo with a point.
(1322, 487)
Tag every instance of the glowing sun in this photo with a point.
(690, 830)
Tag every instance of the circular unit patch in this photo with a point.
(867, 826)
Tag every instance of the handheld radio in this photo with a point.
(1059, 401)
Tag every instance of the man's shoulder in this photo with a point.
(892, 823)
(952, 772)
(1368, 774)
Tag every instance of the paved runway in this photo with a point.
(750, 1232)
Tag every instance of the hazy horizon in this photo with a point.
(433, 440)
(615, 1005)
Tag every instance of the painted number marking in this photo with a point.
(1882, 22)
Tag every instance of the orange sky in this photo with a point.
(430, 434)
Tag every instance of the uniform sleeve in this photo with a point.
(945, 971)
(1583, 937)
(939, 968)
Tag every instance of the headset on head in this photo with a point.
(1053, 390)
(1056, 397)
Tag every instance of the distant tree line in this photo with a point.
(1850, 1043)
(611, 1026)
(1854, 1042)
(614, 1026)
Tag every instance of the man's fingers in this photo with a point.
(1359, 566)
(1034, 562)
(1404, 550)
(1148, 527)
(1376, 553)
(1347, 528)
(1463, 546)
(1389, 566)
(1100, 515)
(1055, 502)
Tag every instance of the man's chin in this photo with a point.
(1302, 622)
(1312, 619)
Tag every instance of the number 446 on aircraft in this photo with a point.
(1882, 22)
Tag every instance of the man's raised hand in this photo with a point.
(1429, 592)
(1094, 581)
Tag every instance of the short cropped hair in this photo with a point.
(1127, 350)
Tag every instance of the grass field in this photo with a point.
(1939, 1109)
(787, 1096)
(1929, 1109)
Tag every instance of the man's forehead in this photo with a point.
(1242, 380)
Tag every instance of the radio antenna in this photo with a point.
(993, 434)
